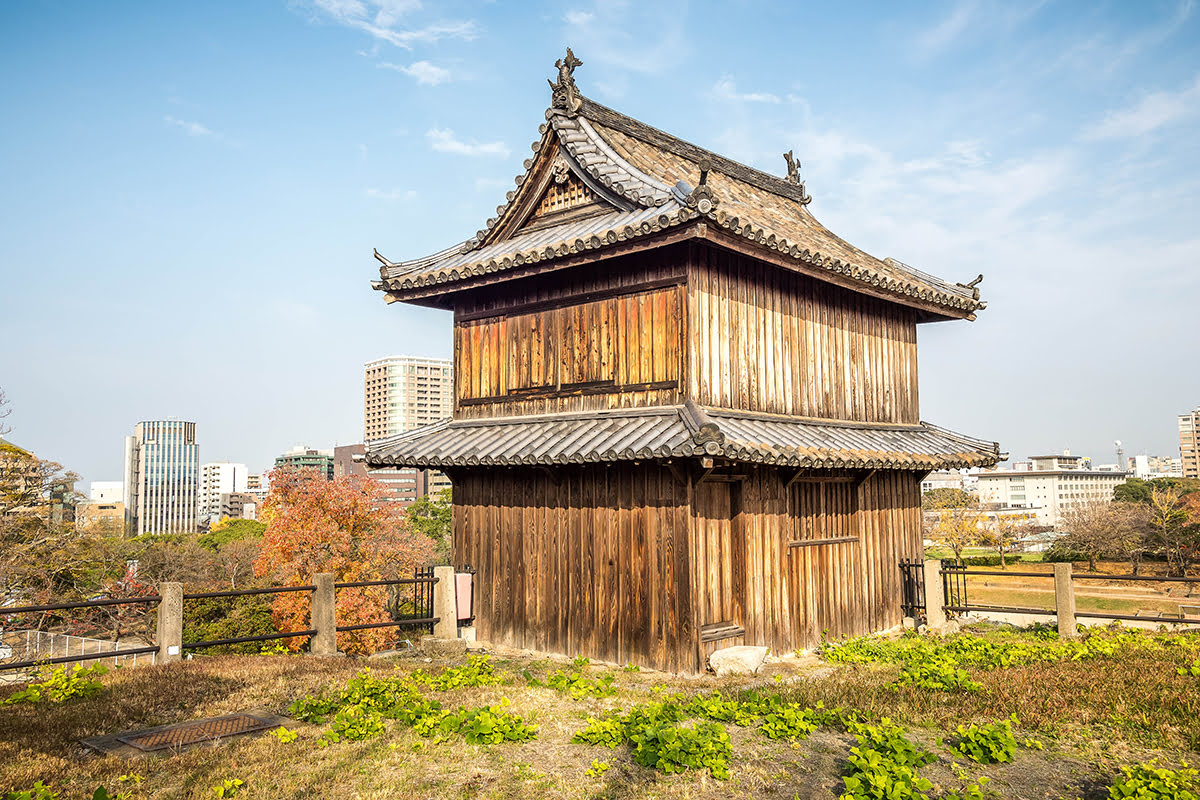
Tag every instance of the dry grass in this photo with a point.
(1092, 715)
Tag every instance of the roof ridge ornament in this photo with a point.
(973, 286)
(793, 177)
(564, 95)
(702, 198)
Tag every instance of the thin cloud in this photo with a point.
(380, 18)
(444, 141)
(425, 73)
(1152, 112)
(726, 89)
(941, 35)
(190, 128)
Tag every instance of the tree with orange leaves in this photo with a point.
(344, 526)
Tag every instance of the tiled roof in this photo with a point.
(679, 432)
(650, 179)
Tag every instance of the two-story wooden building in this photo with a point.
(685, 412)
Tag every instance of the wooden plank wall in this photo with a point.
(596, 563)
(606, 561)
(794, 594)
(772, 341)
(559, 337)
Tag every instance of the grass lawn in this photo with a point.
(1120, 700)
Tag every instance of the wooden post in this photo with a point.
(935, 615)
(1064, 600)
(324, 616)
(170, 622)
(445, 605)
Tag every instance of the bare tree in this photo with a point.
(1105, 529)
(953, 523)
(1171, 534)
(4, 412)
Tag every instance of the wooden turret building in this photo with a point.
(685, 412)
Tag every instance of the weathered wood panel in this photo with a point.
(595, 563)
(762, 339)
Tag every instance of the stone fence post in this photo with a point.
(170, 622)
(324, 616)
(1064, 600)
(935, 614)
(445, 604)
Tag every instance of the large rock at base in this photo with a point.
(443, 648)
(743, 660)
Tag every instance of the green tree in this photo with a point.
(948, 524)
(431, 516)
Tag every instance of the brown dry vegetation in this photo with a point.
(1092, 716)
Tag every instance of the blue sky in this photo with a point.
(189, 193)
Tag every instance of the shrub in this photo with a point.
(990, 561)
(884, 764)
(228, 618)
(674, 748)
(60, 686)
(1150, 782)
(987, 744)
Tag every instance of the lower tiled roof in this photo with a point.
(680, 432)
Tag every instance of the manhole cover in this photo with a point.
(201, 730)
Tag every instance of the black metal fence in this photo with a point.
(912, 587)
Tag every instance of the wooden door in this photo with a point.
(825, 568)
(720, 564)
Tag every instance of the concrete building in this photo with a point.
(401, 393)
(106, 492)
(1189, 443)
(948, 479)
(306, 458)
(162, 477)
(258, 485)
(238, 505)
(404, 484)
(1151, 467)
(1053, 485)
(218, 478)
(109, 513)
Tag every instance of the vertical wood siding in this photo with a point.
(767, 340)
(596, 563)
(624, 563)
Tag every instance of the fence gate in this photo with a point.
(912, 587)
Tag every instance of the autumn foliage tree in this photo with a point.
(347, 527)
(952, 520)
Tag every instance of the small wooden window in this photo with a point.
(823, 512)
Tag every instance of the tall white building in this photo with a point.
(106, 492)
(1189, 443)
(1053, 485)
(162, 477)
(218, 478)
(405, 392)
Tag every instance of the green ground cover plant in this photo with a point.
(673, 748)
(992, 743)
(1152, 782)
(60, 686)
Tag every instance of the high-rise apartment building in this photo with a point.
(1189, 443)
(218, 478)
(406, 392)
(162, 477)
(301, 457)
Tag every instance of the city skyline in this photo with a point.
(1054, 180)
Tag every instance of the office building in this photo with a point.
(258, 485)
(1189, 443)
(406, 392)
(162, 477)
(404, 484)
(301, 457)
(1151, 467)
(1053, 485)
(238, 505)
(218, 478)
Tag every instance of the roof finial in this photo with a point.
(793, 177)
(564, 95)
(973, 286)
(702, 198)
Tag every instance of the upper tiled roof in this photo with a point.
(651, 181)
(679, 432)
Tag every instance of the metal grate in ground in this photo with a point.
(188, 733)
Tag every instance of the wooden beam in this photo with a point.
(858, 484)
(816, 542)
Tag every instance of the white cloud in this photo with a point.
(578, 17)
(425, 73)
(379, 19)
(190, 128)
(391, 195)
(1151, 113)
(726, 89)
(444, 141)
